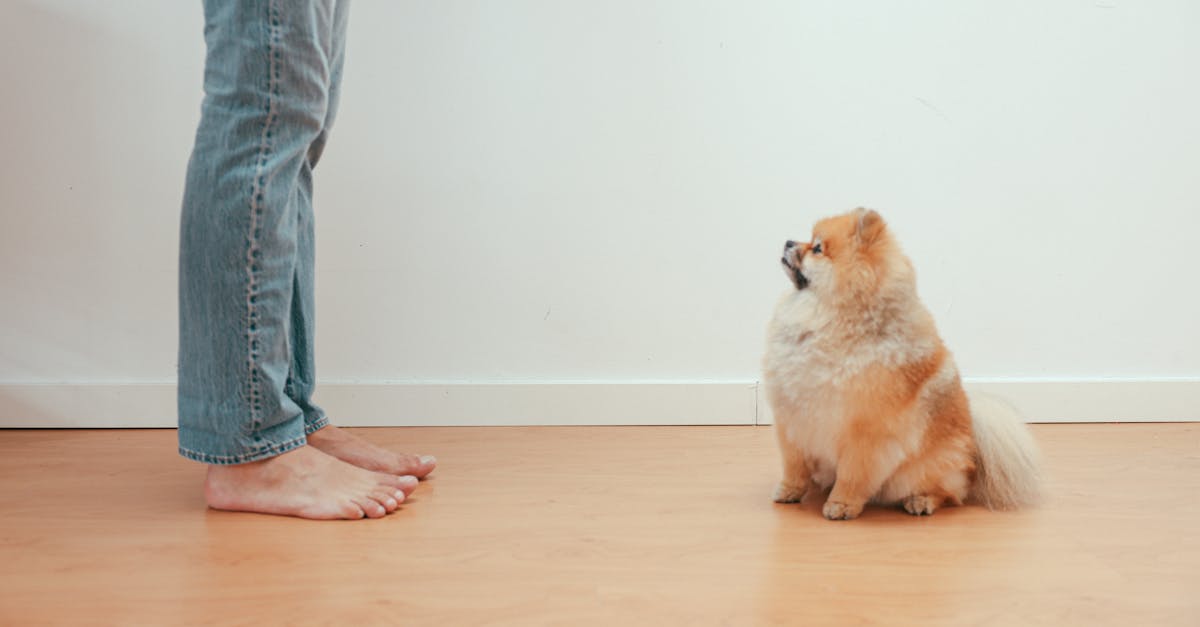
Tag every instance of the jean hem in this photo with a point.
(316, 425)
(268, 452)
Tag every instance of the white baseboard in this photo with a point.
(150, 405)
(465, 404)
(407, 404)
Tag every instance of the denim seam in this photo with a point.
(257, 196)
(273, 450)
(316, 425)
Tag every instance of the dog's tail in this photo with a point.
(1009, 472)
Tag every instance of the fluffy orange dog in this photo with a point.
(866, 397)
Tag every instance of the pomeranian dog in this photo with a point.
(866, 397)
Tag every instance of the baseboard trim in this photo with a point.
(152, 405)
(496, 404)
(1098, 400)
(406, 404)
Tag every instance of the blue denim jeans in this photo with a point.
(246, 371)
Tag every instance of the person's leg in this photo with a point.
(266, 98)
(302, 377)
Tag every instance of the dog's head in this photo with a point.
(848, 255)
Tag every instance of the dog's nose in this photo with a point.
(790, 244)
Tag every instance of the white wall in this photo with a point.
(531, 191)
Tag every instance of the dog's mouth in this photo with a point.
(793, 271)
(797, 278)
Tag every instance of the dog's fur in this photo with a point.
(866, 397)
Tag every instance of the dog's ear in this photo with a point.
(870, 226)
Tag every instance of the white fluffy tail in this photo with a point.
(1009, 473)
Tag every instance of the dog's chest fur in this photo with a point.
(812, 358)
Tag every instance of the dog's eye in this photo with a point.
(817, 248)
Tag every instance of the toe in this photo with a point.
(371, 508)
(384, 498)
(351, 511)
(417, 466)
(404, 483)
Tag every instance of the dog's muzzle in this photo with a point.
(791, 265)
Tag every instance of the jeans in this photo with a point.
(246, 369)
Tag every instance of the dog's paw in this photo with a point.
(920, 505)
(836, 510)
(788, 493)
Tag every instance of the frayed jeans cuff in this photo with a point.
(266, 452)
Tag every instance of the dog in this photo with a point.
(866, 397)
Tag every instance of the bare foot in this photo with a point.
(307, 483)
(355, 450)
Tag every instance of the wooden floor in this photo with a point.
(609, 526)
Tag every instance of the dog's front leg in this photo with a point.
(861, 470)
(796, 480)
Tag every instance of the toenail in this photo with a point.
(428, 460)
(392, 503)
(399, 496)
